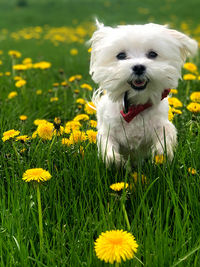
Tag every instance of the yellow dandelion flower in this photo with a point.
(20, 83)
(76, 91)
(159, 159)
(190, 66)
(93, 123)
(14, 53)
(17, 78)
(77, 136)
(23, 117)
(115, 245)
(73, 52)
(20, 67)
(10, 135)
(27, 61)
(43, 65)
(192, 171)
(90, 108)
(72, 126)
(23, 138)
(45, 131)
(189, 77)
(81, 117)
(39, 92)
(90, 50)
(136, 176)
(175, 102)
(174, 91)
(195, 96)
(86, 86)
(66, 141)
(80, 101)
(7, 73)
(38, 122)
(170, 114)
(91, 136)
(75, 77)
(1, 62)
(12, 94)
(177, 111)
(194, 107)
(54, 99)
(36, 174)
(119, 186)
(65, 84)
(35, 134)
(55, 84)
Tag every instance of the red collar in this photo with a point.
(133, 110)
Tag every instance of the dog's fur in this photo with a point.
(150, 131)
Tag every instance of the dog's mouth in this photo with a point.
(139, 83)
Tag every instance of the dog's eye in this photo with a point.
(121, 56)
(152, 54)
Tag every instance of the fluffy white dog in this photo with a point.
(135, 67)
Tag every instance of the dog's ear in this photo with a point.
(96, 43)
(188, 46)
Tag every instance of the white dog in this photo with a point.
(135, 67)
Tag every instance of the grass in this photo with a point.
(77, 203)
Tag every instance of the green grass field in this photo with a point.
(77, 203)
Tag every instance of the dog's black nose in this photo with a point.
(139, 69)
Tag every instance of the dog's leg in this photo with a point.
(108, 149)
(165, 139)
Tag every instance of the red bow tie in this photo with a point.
(133, 110)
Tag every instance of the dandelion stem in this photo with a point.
(116, 264)
(40, 217)
(126, 217)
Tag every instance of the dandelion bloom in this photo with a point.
(81, 101)
(115, 245)
(72, 126)
(27, 61)
(75, 77)
(20, 83)
(77, 136)
(12, 94)
(86, 86)
(174, 91)
(194, 107)
(136, 176)
(45, 130)
(119, 186)
(73, 52)
(23, 117)
(93, 123)
(39, 92)
(190, 66)
(53, 99)
(192, 170)
(170, 114)
(23, 138)
(189, 77)
(159, 159)
(90, 108)
(81, 117)
(66, 141)
(195, 96)
(92, 136)
(20, 67)
(175, 102)
(177, 111)
(39, 121)
(10, 134)
(43, 65)
(14, 53)
(36, 174)
(7, 73)
(65, 84)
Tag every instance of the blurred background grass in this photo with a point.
(19, 13)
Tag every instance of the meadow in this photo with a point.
(45, 89)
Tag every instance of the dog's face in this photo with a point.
(141, 59)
